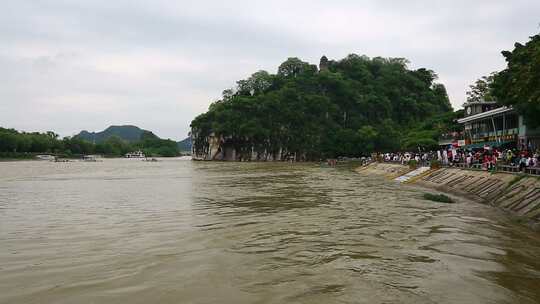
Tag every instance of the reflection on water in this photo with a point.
(126, 231)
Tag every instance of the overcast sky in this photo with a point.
(72, 65)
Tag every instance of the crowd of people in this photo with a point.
(487, 158)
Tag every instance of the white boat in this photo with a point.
(91, 158)
(135, 154)
(46, 157)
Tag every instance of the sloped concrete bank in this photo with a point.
(517, 194)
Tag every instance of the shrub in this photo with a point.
(441, 198)
(413, 164)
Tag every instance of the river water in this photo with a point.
(176, 231)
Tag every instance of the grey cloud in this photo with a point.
(71, 65)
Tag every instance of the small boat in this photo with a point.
(91, 158)
(135, 154)
(46, 157)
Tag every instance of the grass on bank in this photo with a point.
(440, 198)
(516, 180)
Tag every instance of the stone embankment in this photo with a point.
(515, 193)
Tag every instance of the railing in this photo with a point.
(515, 169)
(499, 167)
(507, 168)
(533, 171)
(463, 166)
(394, 161)
(477, 166)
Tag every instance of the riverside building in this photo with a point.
(487, 123)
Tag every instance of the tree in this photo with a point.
(257, 83)
(519, 84)
(227, 94)
(481, 90)
(114, 145)
(444, 102)
(426, 76)
(293, 67)
(8, 141)
(368, 137)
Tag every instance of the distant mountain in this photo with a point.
(127, 133)
(185, 145)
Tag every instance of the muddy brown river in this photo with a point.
(176, 231)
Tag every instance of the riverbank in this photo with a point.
(516, 194)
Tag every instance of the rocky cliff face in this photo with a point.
(221, 148)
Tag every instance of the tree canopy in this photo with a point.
(481, 90)
(519, 84)
(350, 107)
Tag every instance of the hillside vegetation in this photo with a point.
(15, 144)
(349, 107)
(518, 85)
(185, 145)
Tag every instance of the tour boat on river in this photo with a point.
(46, 157)
(136, 154)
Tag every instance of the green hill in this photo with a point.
(349, 107)
(185, 145)
(127, 133)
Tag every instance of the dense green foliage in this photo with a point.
(152, 145)
(425, 134)
(21, 144)
(349, 107)
(519, 84)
